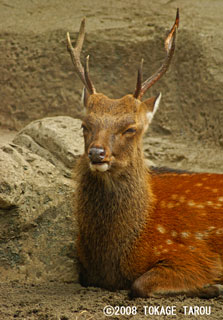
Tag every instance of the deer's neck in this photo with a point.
(112, 210)
(114, 200)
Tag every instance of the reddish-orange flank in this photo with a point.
(153, 232)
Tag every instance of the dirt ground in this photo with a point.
(71, 301)
(193, 147)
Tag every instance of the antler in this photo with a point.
(141, 88)
(75, 57)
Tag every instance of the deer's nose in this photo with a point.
(96, 154)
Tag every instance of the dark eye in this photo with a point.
(85, 129)
(130, 130)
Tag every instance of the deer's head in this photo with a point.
(113, 128)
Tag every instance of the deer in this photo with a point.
(152, 232)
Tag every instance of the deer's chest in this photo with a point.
(100, 254)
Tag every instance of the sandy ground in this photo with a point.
(71, 301)
(63, 301)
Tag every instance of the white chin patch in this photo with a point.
(99, 167)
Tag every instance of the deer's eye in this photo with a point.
(85, 129)
(130, 130)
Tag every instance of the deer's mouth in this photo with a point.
(100, 166)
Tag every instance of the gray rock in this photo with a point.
(37, 225)
(58, 140)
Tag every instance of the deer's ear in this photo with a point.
(152, 105)
(85, 96)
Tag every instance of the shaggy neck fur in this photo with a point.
(112, 210)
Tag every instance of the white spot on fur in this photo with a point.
(220, 199)
(200, 206)
(185, 234)
(173, 233)
(168, 241)
(219, 231)
(170, 205)
(191, 203)
(199, 235)
(161, 229)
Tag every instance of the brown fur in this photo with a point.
(156, 234)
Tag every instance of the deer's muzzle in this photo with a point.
(97, 156)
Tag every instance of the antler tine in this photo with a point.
(169, 47)
(87, 78)
(139, 81)
(75, 57)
